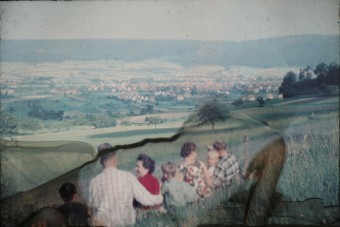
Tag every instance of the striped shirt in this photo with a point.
(224, 171)
(112, 193)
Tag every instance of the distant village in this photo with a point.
(178, 88)
(133, 83)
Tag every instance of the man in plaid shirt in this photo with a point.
(227, 167)
(112, 193)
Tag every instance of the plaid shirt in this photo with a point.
(224, 171)
(112, 193)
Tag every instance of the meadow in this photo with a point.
(310, 171)
(311, 165)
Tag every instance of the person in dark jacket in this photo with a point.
(75, 213)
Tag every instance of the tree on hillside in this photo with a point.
(211, 112)
(8, 124)
(305, 73)
(149, 109)
(321, 72)
(30, 125)
(101, 120)
(286, 88)
(325, 83)
(288, 80)
(78, 121)
(238, 102)
(154, 120)
(37, 111)
(261, 101)
(333, 74)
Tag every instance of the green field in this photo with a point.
(310, 131)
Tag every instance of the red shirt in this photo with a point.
(151, 183)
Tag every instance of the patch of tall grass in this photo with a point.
(311, 168)
(189, 215)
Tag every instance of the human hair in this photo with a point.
(169, 168)
(219, 145)
(187, 149)
(67, 191)
(209, 147)
(106, 156)
(104, 146)
(148, 163)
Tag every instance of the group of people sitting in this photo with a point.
(116, 195)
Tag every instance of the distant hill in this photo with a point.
(272, 52)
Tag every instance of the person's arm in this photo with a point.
(218, 176)
(142, 195)
(206, 175)
(164, 188)
(92, 193)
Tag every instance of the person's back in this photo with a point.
(176, 193)
(226, 169)
(75, 213)
(195, 172)
(112, 193)
(116, 199)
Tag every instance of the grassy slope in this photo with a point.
(308, 171)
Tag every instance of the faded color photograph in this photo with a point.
(169, 113)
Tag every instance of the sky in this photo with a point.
(234, 20)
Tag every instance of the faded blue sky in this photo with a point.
(199, 20)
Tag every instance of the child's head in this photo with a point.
(209, 147)
(169, 170)
(67, 191)
(212, 158)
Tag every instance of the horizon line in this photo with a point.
(169, 39)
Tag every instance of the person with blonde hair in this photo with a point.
(213, 158)
(176, 192)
